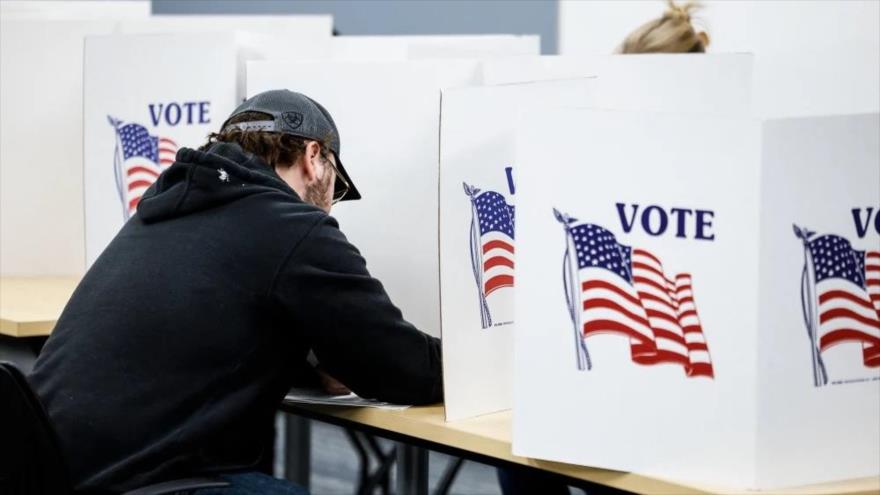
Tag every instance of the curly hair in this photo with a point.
(276, 149)
(672, 33)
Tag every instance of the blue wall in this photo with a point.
(359, 17)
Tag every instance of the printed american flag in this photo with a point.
(143, 158)
(495, 219)
(847, 292)
(625, 291)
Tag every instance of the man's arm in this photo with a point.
(357, 334)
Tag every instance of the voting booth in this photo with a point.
(257, 37)
(139, 110)
(388, 116)
(41, 97)
(415, 47)
(477, 238)
(711, 83)
(698, 297)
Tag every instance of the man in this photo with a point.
(175, 350)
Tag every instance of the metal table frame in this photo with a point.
(412, 456)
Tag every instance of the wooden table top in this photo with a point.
(30, 306)
(490, 435)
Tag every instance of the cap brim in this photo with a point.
(353, 192)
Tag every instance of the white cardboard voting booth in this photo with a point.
(400, 48)
(715, 83)
(698, 298)
(41, 222)
(141, 106)
(256, 37)
(73, 9)
(388, 115)
(477, 246)
(305, 26)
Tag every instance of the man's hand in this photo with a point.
(331, 385)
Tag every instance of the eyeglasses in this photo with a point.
(341, 186)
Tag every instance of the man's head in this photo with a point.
(297, 137)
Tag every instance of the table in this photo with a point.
(487, 439)
(29, 307)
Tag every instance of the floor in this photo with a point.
(335, 467)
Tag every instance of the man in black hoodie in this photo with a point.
(175, 350)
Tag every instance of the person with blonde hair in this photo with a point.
(671, 33)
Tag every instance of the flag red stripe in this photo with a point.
(872, 269)
(871, 355)
(132, 204)
(646, 254)
(139, 183)
(833, 313)
(497, 244)
(498, 282)
(167, 141)
(651, 297)
(697, 346)
(661, 356)
(873, 283)
(842, 294)
(700, 369)
(846, 335)
(690, 312)
(601, 284)
(644, 266)
(497, 261)
(873, 254)
(650, 282)
(653, 313)
(165, 161)
(608, 304)
(666, 334)
(138, 168)
(692, 329)
(168, 150)
(593, 327)
(686, 299)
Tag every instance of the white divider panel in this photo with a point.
(388, 115)
(698, 298)
(41, 97)
(717, 84)
(134, 94)
(477, 236)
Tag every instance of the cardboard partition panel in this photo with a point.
(41, 97)
(388, 115)
(698, 298)
(139, 110)
(477, 235)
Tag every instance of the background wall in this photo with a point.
(811, 57)
(598, 26)
(362, 17)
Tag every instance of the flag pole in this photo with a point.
(477, 257)
(808, 306)
(117, 169)
(568, 281)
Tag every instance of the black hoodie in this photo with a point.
(176, 348)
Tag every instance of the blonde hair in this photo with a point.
(671, 33)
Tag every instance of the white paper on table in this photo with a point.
(315, 396)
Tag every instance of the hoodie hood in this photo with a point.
(199, 180)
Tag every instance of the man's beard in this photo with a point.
(316, 193)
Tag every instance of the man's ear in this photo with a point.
(307, 161)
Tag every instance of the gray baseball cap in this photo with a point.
(298, 115)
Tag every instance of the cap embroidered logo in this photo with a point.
(293, 119)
